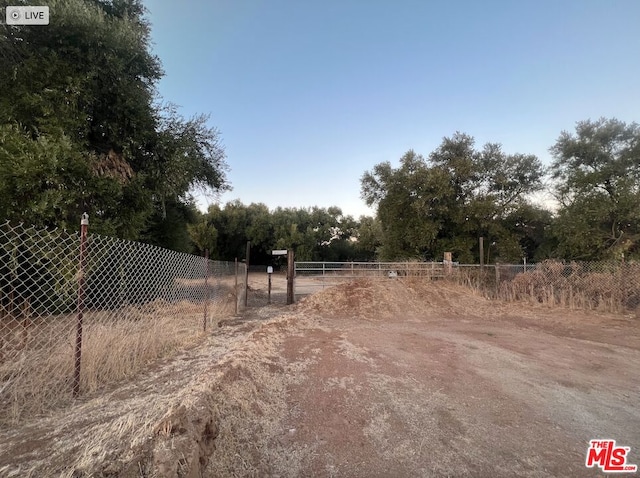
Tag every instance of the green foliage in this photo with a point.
(427, 207)
(80, 130)
(204, 236)
(532, 224)
(40, 179)
(597, 173)
(318, 234)
(368, 233)
(170, 226)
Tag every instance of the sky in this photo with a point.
(310, 94)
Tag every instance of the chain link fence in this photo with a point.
(78, 311)
(604, 286)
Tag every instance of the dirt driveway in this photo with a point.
(390, 379)
(368, 379)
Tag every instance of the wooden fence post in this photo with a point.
(290, 274)
(448, 263)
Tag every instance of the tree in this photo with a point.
(368, 235)
(187, 154)
(597, 173)
(531, 225)
(314, 233)
(411, 204)
(427, 207)
(77, 103)
(204, 235)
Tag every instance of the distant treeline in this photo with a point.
(82, 129)
(316, 234)
(446, 201)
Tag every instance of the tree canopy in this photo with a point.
(82, 127)
(316, 234)
(445, 202)
(597, 173)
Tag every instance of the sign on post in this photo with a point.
(279, 252)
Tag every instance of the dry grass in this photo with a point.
(249, 405)
(408, 297)
(37, 376)
(605, 287)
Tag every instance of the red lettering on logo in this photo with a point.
(596, 456)
(610, 458)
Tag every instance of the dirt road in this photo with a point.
(395, 380)
(368, 379)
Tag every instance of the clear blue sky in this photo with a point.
(308, 95)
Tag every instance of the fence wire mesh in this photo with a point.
(604, 286)
(128, 303)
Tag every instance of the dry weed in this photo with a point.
(116, 345)
(606, 287)
(252, 407)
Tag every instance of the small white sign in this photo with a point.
(279, 252)
(15, 15)
(269, 270)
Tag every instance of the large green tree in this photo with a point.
(597, 173)
(445, 202)
(82, 129)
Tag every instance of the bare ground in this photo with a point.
(365, 379)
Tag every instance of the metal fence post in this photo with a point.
(246, 278)
(84, 225)
(206, 289)
(236, 287)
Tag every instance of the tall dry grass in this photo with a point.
(116, 345)
(605, 287)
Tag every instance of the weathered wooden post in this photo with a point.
(236, 287)
(290, 274)
(246, 279)
(448, 264)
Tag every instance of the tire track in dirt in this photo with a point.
(371, 379)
